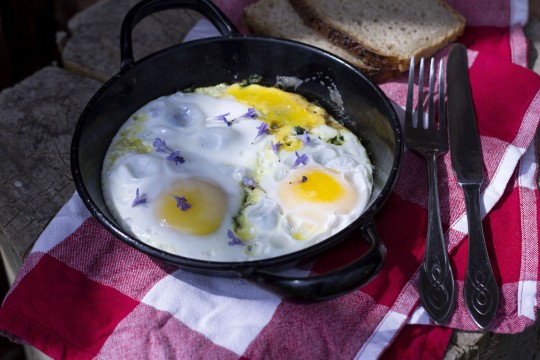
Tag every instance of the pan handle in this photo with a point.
(332, 284)
(148, 7)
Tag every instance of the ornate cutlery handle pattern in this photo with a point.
(480, 290)
(437, 287)
(436, 279)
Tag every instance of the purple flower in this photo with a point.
(161, 146)
(300, 159)
(263, 129)
(302, 180)
(175, 156)
(251, 113)
(250, 181)
(182, 203)
(305, 138)
(223, 118)
(275, 147)
(138, 199)
(234, 239)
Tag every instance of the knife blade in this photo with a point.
(480, 290)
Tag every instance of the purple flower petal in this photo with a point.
(161, 146)
(305, 138)
(275, 147)
(263, 129)
(223, 117)
(138, 199)
(300, 159)
(234, 239)
(182, 203)
(251, 113)
(175, 156)
(250, 181)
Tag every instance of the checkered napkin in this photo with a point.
(82, 293)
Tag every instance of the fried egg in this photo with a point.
(234, 173)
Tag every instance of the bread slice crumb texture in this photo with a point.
(277, 18)
(384, 33)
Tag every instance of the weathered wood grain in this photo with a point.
(37, 118)
(93, 47)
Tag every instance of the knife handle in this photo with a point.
(436, 282)
(480, 289)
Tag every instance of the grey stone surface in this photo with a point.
(37, 116)
(93, 46)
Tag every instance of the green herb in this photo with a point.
(337, 140)
(298, 130)
(252, 79)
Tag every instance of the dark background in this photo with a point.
(28, 35)
(28, 43)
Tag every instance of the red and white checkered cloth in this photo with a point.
(84, 294)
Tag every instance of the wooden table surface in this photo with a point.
(38, 116)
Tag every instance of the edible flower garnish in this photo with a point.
(302, 134)
(182, 203)
(138, 199)
(175, 156)
(263, 129)
(250, 181)
(223, 117)
(300, 159)
(161, 146)
(304, 138)
(276, 146)
(302, 180)
(234, 239)
(251, 113)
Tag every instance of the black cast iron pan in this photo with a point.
(233, 57)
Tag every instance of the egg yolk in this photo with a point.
(311, 198)
(283, 111)
(200, 211)
(318, 187)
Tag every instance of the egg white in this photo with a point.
(222, 155)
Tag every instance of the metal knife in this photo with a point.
(480, 289)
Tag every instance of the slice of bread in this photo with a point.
(384, 33)
(277, 18)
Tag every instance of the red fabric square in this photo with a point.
(96, 308)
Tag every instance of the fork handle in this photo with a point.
(437, 291)
(480, 289)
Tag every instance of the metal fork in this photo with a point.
(436, 282)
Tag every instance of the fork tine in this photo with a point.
(442, 103)
(410, 93)
(431, 115)
(420, 105)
